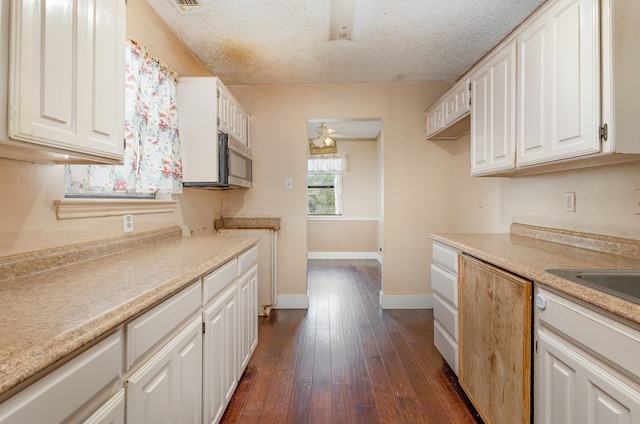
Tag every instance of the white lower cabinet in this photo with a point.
(248, 308)
(574, 380)
(112, 412)
(444, 282)
(174, 368)
(220, 354)
(168, 387)
(56, 397)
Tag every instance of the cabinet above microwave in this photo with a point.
(209, 100)
(206, 110)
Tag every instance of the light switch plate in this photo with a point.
(288, 184)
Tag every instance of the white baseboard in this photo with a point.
(292, 301)
(345, 255)
(406, 301)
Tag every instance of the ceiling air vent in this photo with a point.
(187, 7)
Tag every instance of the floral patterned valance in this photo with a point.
(152, 162)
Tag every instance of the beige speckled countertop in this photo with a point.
(248, 223)
(530, 255)
(50, 314)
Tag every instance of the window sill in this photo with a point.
(340, 218)
(91, 208)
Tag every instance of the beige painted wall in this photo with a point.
(28, 217)
(361, 199)
(342, 236)
(605, 199)
(360, 181)
(417, 174)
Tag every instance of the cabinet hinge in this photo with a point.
(603, 132)
(218, 121)
(536, 346)
(218, 93)
(204, 326)
(469, 86)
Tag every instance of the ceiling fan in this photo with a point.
(326, 136)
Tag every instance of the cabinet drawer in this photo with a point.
(446, 316)
(247, 259)
(445, 257)
(447, 347)
(445, 284)
(218, 280)
(147, 330)
(58, 395)
(614, 341)
(112, 412)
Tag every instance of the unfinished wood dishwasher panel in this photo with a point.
(495, 341)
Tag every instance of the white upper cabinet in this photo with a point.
(456, 102)
(558, 92)
(233, 119)
(446, 119)
(205, 106)
(493, 113)
(434, 119)
(66, 80)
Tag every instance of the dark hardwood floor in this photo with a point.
(345, 360)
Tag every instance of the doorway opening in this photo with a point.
(345, 189)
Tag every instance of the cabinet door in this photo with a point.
(168, 388)
(573, 388)
(197, 123)
(225, 110)
(248, 307)
(435, 120)
(67, 84)
(456, 103)
(493, 116)
(242, 125)
(558, 98)
(495, 341)
(220, 354)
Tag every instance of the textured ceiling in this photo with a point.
(323, 41)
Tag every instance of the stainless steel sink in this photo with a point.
(624, 284)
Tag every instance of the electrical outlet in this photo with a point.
(570, 201)
(127, 222)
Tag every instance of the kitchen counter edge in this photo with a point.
(530, 258)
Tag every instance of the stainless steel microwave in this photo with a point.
(232, 168)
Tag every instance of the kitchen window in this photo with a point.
(324, 186)
(152, 162)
